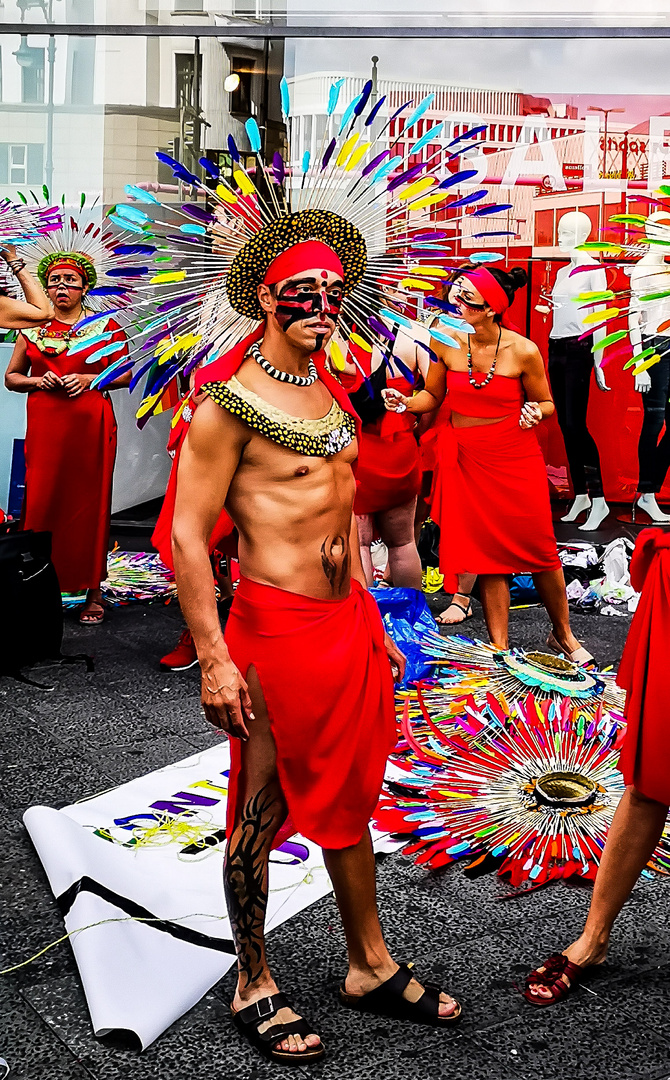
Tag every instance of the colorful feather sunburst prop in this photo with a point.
(520, 782)
(190, 303)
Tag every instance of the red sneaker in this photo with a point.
(183, 656)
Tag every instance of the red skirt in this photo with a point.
(328, 688)
(70, 450)
(388, 471)
(645, 753)
(491, 500)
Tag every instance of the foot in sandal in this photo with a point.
(399, 995)
(92, 613)
(561, 973)
(458, 611)
(267, 1020)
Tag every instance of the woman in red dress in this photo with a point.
(490, 495)
(388, 469)
(640, 817)
(71, 432)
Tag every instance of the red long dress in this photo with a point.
(70, 451)
(490, 491)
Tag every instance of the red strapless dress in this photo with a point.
(388, 470)
(490, 492)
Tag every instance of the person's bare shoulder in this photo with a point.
(213, 431)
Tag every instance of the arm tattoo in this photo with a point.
(246, 881)
(335, 561)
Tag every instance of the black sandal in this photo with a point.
(388, 1000)
(467, 611)
(251, 1018)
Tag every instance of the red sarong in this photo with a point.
(70, 450)
(327, 683)
(491, 500)
(645, 754)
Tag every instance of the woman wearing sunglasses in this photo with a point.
(71, 432)
(490, 495)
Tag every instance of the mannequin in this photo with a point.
(570, 363)
(646, 321)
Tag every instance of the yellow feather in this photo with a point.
(243, 182)
(429, 200)
(347, 147)
(357, 155)
(430, 271)
(337, 356)
(416, 283)
(167, 277)
(225, 194)
(417, 187)
(361, 342)
(600, 316)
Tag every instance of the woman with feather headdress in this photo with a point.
(71, 434)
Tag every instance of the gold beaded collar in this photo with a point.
(313, 438)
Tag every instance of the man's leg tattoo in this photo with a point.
(246, 881)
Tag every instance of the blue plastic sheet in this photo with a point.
(407, 619)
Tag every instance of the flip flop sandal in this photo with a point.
(250, 1019)
(92, 618)
(556, 966)
(467, 613)
(388, 1000)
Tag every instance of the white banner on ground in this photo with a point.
(172, 942)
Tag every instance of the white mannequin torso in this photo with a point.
(650, 275)
(567, 316)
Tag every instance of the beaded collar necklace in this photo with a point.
(283, 376)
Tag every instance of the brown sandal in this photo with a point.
(551, 978)
(91, 616)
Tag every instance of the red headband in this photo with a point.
(491, 290)
(308, 255)
(67, 264)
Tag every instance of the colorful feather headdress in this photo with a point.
(357, 195)
(105, 252)
(23, 224)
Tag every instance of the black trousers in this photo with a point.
(570, 366)
(654, 456)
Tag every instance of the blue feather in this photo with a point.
(468, 135)
(433, 355)
(94, 318)
(374, 110)
(254, 135)
(474, 196)
(285, 97)
(348, 113)
(364, 98)
(330, 150)
(138, 374)
(403, 369)
(110, 374)
(421, 108)
(210, 168)
(132, 213)
(334, 96)
(232, 147)
(402, 109)
(140, 194)
(386, 168)
(85, 343)
(306, 158)
(124, 223)
(107, 290)
(498, 209)
(135, 249)
(127, 271)
(458, 178)
(485, 256)
(426, 138)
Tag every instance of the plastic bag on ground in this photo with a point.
(407, 619)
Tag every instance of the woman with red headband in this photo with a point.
(491, 496)
(71, 433)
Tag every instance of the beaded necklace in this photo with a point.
(283, 376)
(491, 371)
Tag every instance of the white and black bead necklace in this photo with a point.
(492, 370)
(283, 376)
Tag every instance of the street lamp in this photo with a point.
(599, 108)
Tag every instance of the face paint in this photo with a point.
(298, 302)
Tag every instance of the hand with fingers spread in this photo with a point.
(394, 401)
(225, 698)
(49, 381)
(398, 659)
(531, 414)
(76, 383)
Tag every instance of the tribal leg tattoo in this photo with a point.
(335, 561)
(246, 880)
